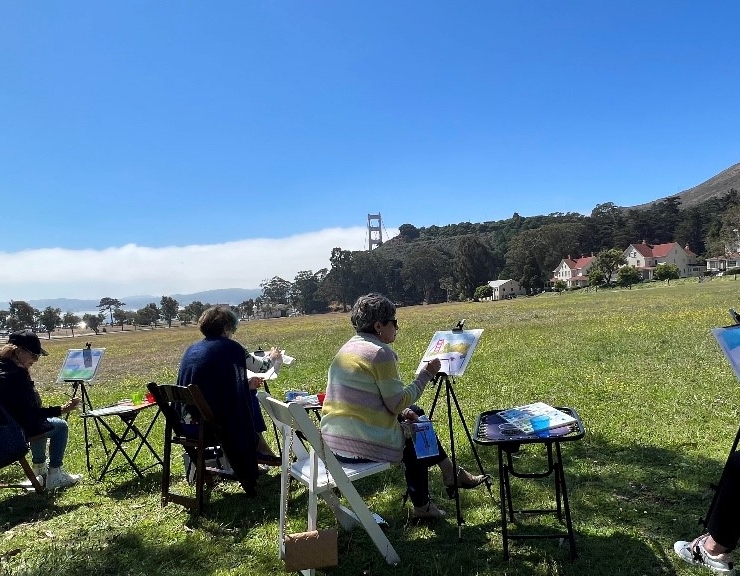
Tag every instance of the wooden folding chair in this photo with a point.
(23, 461)
(169, 398)
(320, 471)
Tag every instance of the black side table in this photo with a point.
(488, 432)
(132, 434)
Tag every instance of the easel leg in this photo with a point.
(452, 398)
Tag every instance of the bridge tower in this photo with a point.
(374, 231)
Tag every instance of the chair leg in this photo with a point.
(31, 476)
(166, 467)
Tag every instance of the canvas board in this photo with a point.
(81, 364)
(453, 348)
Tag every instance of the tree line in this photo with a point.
(454, 262)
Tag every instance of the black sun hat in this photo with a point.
(28, 341)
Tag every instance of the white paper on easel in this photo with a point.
(273, 371)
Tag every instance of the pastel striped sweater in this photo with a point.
(364, 396)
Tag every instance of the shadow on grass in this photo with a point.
(629, 503)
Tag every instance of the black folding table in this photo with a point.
(508, 441)
(133, 438)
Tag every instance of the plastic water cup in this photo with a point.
(321, 397)
(290, 396)
(149, 398)
(137, 398)
(540, 426)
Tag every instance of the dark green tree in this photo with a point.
(110, 304)
(50, 318)
(168, 309)
(608, 262)
(21, 315)
(195, 309)
(422, 271)
(148, 315)
(93, 321)
(627, 276)
(71, 320)
(471, 265)
(275, 291)
(120, 317)
(666, 272)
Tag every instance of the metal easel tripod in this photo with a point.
(446, 381)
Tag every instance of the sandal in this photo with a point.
(695, 553)
(466, 481)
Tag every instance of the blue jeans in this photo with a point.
(57, 444)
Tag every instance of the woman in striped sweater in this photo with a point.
(366, 401)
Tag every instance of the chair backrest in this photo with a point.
(320, 470)
(293, 419)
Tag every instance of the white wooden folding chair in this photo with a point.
(320, 471)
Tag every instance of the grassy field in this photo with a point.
(658, 399)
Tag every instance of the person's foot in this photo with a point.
(464, 480)
(60, 478)
(695, 552)
(428, 511)
(269, 459)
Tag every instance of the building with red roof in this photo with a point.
(646, 257)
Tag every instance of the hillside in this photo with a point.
(717, 186)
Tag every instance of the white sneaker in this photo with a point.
(695, 553)
(41, 471)
(60, 478)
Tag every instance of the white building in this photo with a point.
(505, 289)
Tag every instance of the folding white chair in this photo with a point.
(320, 471)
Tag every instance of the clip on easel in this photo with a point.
(729, 340)
(455, 347)
(79, 368)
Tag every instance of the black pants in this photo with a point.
(417, 469)
(723, 523)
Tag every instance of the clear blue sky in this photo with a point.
(228, 137)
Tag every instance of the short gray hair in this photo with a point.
(370, 309)
(216, 320)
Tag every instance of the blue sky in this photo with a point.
(157, 148)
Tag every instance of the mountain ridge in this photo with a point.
(717, 186)
(231, 296)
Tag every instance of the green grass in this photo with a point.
(658, 399)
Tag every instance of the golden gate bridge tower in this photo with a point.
(374, 231)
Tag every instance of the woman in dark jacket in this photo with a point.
(20, 399)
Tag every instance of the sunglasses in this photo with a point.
(33, 354)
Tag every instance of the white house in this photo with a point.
(645, 257)
(573, 272)
(504, 289)
(723, 263)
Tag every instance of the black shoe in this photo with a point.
(269, 459)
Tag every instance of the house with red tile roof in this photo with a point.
(646, 257)
(573, 272)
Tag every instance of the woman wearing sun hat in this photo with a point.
(19, 397)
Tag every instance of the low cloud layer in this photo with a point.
(138, 270)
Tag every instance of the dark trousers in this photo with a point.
(417, 469)
(723, 523)
(417, 472)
